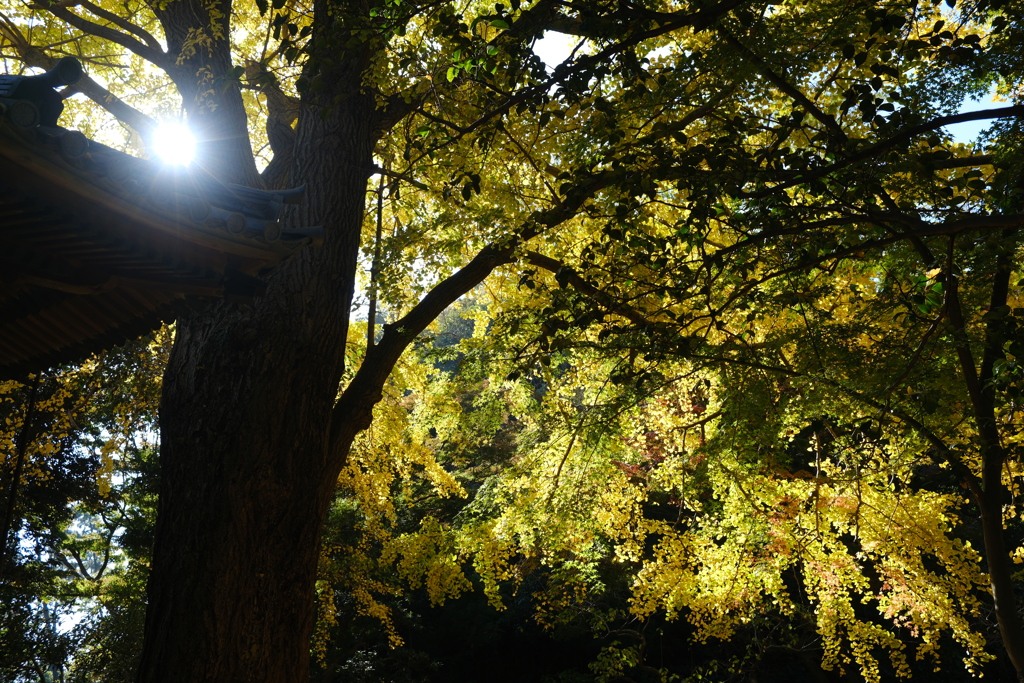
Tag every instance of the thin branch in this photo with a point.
(371, 315)
(638, 318)
(565, 458)
(400, 176)
(901, 136)
(697, 21)
(924, 229)
(950, 228)
(962, 470)
(562, 271)
(779, 82)
(916, 356)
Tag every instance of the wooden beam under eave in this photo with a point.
(93, 203)
(63, 285)
(60, 322)
(169, 285)
(27, 338)
(80, 310)
(11, 353)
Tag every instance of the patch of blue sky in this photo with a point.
(970, 131)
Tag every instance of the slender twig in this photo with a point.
(371, 314)
(884, 145)
(779, 82)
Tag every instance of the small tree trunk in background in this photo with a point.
(20, 448)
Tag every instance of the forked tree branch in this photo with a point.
(637, 317)
(354, 410)
(282, 112)
(119, 21)
(152, 54)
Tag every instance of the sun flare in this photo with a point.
(173, 143)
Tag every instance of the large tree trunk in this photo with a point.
(247, 471)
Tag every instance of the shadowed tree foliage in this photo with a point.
(740, 290)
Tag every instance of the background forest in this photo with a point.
(696, 356)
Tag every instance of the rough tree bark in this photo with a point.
(247, 467)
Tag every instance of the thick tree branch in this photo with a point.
(354, 410)
(963, 162)
(989, 491)
(119, 21)
(922, 249)
(396, 108)
(151, 54)
(282, 112)
(993, 336)
(993, 456)
(612, 26)
(962, 341)
(118, 108)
